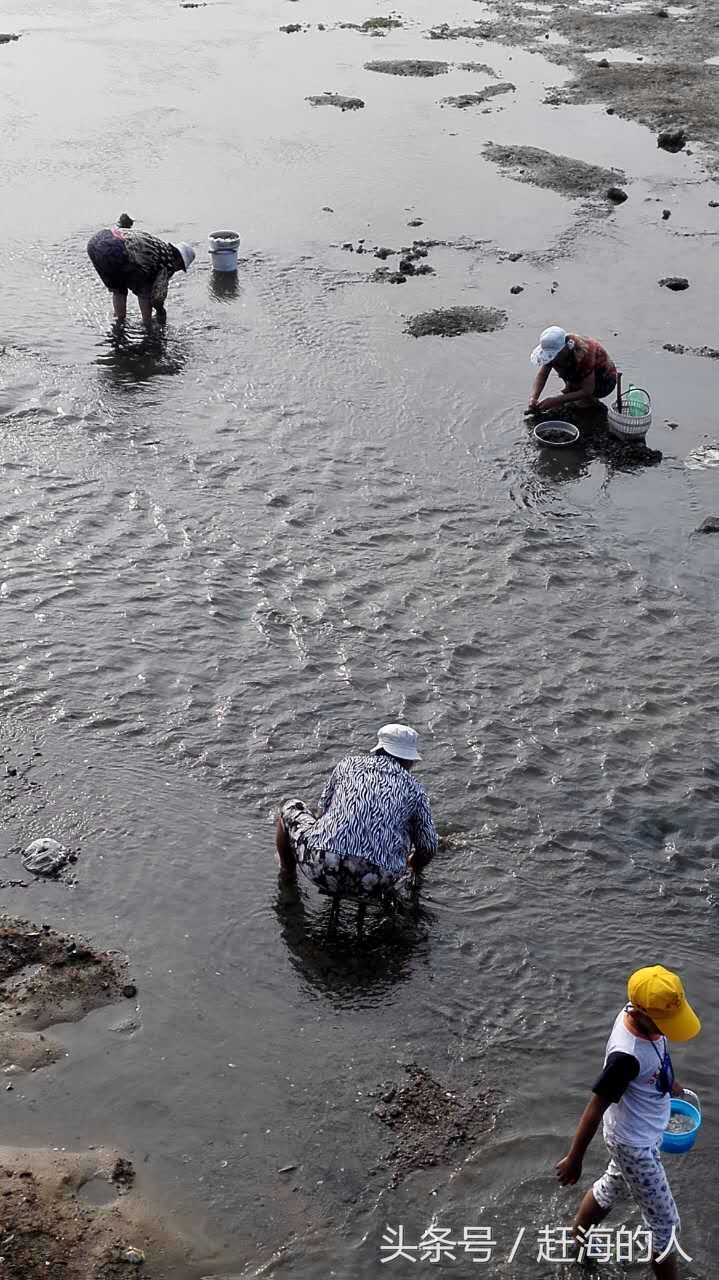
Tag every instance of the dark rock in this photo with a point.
(407, 266)
(383, 276)
(384, 253)
(666, 213)
(672, 426)
(714, 204)
(424, 270)
(327, 208)
(710, 525)
(390, 1094)
(291, 28)
(676, 283)
(673, 139)
(123, 1174)
(513, 257)
(611, 111)
(348, 246)
(603, 63)
(415, 222)
(11, 771)
(517, 288)
(7, 37)
(616, 195)
(129, 991)
(125, 221)
(360, 248)
(335, 100)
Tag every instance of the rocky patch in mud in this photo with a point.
(46, 978)
(463, 100)
(678, 349)
(408, 67)
(49, 1229)
(429, 1123)
(481, 68)
(449, 322)
(567, 176)
(336, 100)
(6, 37)
(374, 26)
(480, 31)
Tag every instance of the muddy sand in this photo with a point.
(449, 322)
(51, 1227)
(47, 978)
(659, 73)
(430, 1124)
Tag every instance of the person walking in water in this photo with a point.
(374, 826)
(632, 1097)
(134, 260)
(586, 369)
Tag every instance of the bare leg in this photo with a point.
(361, 913)
(145, 311)
(666, 1270)
(285, 852)
(589, 1214)
(161, 314)
(119, 305)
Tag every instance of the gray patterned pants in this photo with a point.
(638, 1172)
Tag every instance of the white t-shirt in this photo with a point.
(639, 1112)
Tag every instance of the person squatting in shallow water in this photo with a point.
(587, 370)
(134, 260)
(632, 1097)
(374, 827)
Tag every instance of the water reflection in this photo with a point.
(224, 285)
(132, 355)
(336, 963)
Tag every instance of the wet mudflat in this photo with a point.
(228, 552)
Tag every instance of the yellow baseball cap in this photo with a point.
(659, 992)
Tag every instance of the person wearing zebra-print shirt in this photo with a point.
(374, 826)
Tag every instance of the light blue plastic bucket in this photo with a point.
(678, 1142)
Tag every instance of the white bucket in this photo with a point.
(223, 246)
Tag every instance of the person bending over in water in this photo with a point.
(375, 826)
(583, 364)
(134, 260)
(632, 1097)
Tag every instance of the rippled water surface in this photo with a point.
(229, 552)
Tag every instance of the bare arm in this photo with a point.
(569, 1168)
(539, 384)
(583, 392)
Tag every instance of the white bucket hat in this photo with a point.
(186, 252)
(551, 342)
(398, 740)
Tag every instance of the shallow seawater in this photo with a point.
(231, 550)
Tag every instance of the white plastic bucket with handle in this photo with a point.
(223, 246)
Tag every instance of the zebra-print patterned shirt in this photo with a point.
(373, 808)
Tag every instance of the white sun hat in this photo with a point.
(398, 740)
(551, 342)
(186, 252)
